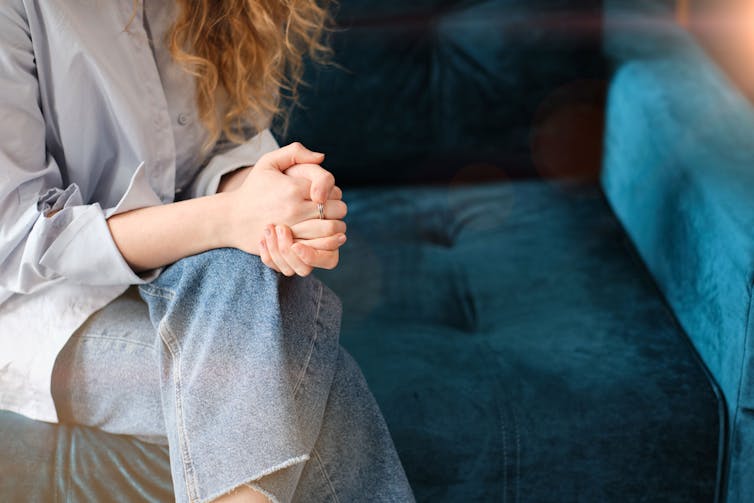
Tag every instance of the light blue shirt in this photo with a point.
(93, 122)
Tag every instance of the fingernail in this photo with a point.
(280, 231)
(267, 232)
(342, 238)
(318, 153)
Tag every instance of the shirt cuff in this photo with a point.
(88, 235)
(84, 252)
(246, 154)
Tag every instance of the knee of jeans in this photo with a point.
(227, 264)
(218, 274)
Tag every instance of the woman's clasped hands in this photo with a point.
(275, 214)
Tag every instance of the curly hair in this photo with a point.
(248, 58)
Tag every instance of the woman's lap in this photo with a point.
(107, 375)
(229, 342)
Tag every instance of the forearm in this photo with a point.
(159, 235)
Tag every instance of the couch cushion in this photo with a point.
(426, 88)
(679, 171)
(45, 462)
(518, 349)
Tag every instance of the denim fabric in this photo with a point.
(240, 372)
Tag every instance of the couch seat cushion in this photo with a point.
(519, 349)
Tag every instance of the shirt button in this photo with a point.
(183, 119)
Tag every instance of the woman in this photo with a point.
(127, 135)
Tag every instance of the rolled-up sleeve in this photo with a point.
(225, 158)
(47, 232)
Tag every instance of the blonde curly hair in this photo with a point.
(247, 56)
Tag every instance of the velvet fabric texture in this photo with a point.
(679, 172)
(516, 345)
(429, 90)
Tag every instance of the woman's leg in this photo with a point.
(107, 375)
(354, 458)
(246, 361)
(246, 364)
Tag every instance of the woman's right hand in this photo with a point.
(270, 196)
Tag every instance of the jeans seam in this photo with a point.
(311, 347)
(192, 484)
(156, 291)
(114, 339)
(324, 474)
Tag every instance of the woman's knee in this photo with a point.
(226, 266)
(227, 287)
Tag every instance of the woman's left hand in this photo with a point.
(281, 252)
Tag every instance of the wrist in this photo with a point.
(233, 180)
(219, 231)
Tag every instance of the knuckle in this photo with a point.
(332, 260)
(342, 208)
(287, 213)
(339, 226)
(302, 187)
(290, 189)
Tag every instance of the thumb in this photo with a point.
(290, 155)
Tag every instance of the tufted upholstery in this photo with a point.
(517, 346)
(519, 349)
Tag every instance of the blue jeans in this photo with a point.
(239, 371)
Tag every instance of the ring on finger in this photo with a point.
(321, 210)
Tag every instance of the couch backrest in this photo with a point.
(443, 90)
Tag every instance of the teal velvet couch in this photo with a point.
(679, 173)
(529, 337)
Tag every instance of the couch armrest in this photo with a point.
(679, 173)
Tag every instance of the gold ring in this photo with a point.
(321, 210)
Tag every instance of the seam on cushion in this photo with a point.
(734, 422)
(518, 452)
(501, 417)
(744, 354)
(324, 473)
(311, 346)
(67, 488)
